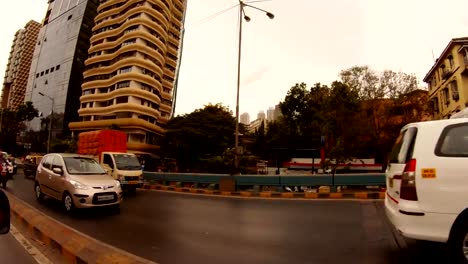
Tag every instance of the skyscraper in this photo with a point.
(19, 63)
(271, 114)
(245, 118)
(131, 70)
(58, 62)
(261, 115)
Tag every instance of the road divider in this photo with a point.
(292, 195)
(74, 246)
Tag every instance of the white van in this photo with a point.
(427, 183)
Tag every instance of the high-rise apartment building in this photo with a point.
(131, 70)
(271, 114)
(19, 63)
(58, 62)
(261, 115)
(448, 80)
(277, 113)
(245, 119)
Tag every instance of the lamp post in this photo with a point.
(242, 16)
(50, 119)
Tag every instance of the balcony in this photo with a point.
(465, 67)
(446, 73)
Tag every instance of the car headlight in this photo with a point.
(79, 185)
(117, 184)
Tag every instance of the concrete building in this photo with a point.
(261, 115)
(19, 64)
(131, 70)
(271, 114)
(277, 113)
(58, 62)
(245, 119)
(254, 125)
(448, 80)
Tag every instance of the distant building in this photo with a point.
(19, 63)
(277, 113)
(245, 118)
(448, 80)
(255, 125)
(271, 114)
(261, 115)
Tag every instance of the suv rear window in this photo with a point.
(402, 151)
(453, 141)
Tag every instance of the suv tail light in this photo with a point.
(408, 182)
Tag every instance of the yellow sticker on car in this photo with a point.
(428, 173)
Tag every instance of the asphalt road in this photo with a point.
(182, 228)
(12, 252)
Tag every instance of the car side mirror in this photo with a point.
(58, 171)
(4, 214)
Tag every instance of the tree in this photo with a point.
(380, 94)
(11, 122)
(202, 134)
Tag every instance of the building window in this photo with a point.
(37, 75)
(57, 67)
(122, 100)
(123, 84)
(47, 71)
(52, 70)
(42, 73)
(127, 69)
(70, 17)
(446, 96)
(451, 63)
(454, 88)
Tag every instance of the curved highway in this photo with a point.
(183, 228)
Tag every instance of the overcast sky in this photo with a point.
(307, 41)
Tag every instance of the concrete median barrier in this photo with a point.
(74, 246)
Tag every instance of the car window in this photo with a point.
(47, 162)
(57, 162)
(453, 141)
(402, 151)
(108, 160)
(82, 166)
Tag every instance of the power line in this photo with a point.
(206, 19)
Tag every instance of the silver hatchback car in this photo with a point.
(78, 181)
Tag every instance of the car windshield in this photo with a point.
(79, 165)
(127, 162)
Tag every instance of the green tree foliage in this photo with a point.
(11, 122)
(205, 133)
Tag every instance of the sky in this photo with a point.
(308, 41)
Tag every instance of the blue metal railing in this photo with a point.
(353, 179)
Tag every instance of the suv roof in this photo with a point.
(437, 123)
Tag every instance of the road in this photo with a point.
(182, 228)
(12, 252)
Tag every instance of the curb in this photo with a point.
(356, 195)
(74, 246)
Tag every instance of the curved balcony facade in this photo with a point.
(131, 69)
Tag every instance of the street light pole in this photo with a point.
(50, 120)
(242, 16)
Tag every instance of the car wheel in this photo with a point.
(68, 203)
(38, 192)
(459, 244)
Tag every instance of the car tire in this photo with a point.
(68, 203)
(38, 192)
(458, 243)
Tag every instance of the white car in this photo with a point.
(427, 183)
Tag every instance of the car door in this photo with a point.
(108, 164)
(400, 155)
(57, 181)
(43, 175)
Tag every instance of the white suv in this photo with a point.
(427, 183)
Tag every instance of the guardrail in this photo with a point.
(353, 179)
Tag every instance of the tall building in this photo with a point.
(58, 62)
(245, 118)
(131, 70)
(271, 114)
(448, 80)
(261, 115)
(19, 63)
(277, 113)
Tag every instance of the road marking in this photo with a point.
(32, 250)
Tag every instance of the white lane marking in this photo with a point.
(32, 250)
